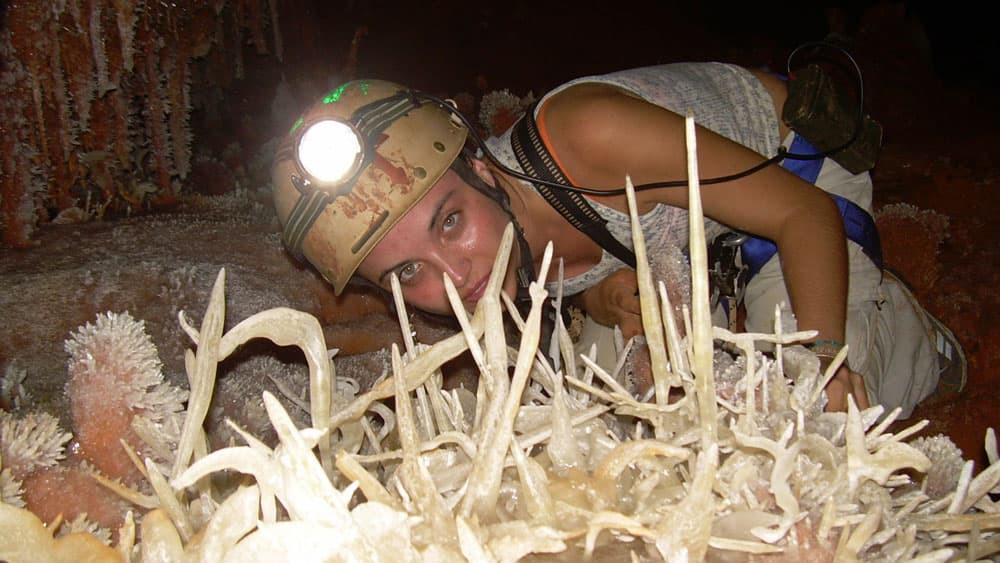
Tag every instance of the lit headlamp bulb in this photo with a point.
(329, 151)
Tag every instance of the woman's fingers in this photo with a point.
(630, 325)
(846, 383)
(859, 391)
(836, 395)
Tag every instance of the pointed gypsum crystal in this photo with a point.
(203, 379)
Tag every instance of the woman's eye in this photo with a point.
(408, 272)
(450, 221)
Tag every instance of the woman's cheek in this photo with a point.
(470, 240)
(429, 297)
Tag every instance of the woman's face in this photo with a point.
(454, 230)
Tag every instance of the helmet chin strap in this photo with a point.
(526, 264)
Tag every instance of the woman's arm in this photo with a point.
(601, 134)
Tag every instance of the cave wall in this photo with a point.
(96, 111)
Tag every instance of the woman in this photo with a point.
(418, 208)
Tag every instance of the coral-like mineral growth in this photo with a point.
(32, 442)
(70, 492)
(117, 393)
(912, 240)
(27, 444)
(946, 464)
(499, 109)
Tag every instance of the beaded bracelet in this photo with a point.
(826, 348)
(826, 351)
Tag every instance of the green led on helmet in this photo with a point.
(338, 92)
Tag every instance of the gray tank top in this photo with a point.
(724, 98)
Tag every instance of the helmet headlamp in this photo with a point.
(353, 165)
(330, 151)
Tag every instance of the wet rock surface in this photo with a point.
(156, 267)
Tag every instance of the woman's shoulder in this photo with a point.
(672, 86)
(590, 110)
(584, 97)
(596, 119)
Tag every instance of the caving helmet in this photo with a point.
(353, 165)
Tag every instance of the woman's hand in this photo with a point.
(845, 383)
(615, 301)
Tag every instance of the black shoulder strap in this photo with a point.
(536, 161)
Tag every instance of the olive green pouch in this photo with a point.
(827, 118)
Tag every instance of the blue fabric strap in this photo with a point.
(808, 170)
(858, 224)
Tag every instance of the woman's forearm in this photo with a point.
(813, 252)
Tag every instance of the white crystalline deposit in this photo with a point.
(543, 461)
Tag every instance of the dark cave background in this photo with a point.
(449, 46)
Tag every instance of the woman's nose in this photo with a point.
(456, 266)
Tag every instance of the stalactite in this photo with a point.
(276, 30)
(39, 133)
(178, 90)
(98, 47)
(239, 18)
(255, 21)
(23, 209)
(156, 111)
(73, 9)
(351, 64)
(15, 125)
(216, 60)
(110, 125)
(199, 32)
(77, 65)
(24, 43)
(112, 47)
(60, 124)
(114, 126)
(122, 140)
(126, 16)
(101, 162)
(16, 232)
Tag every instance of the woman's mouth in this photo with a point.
(478, 290)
